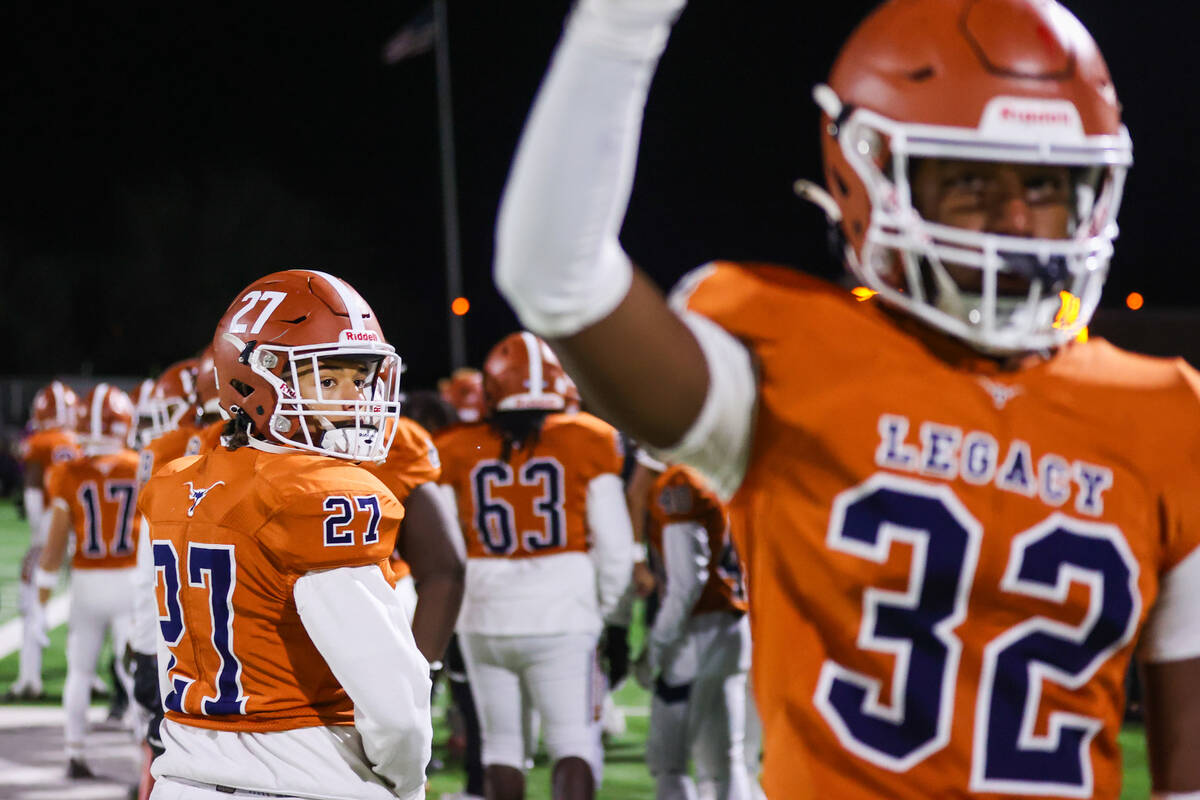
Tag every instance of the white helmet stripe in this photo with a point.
(534, 350)
(349, 299)
(98, 398)
(60, 404)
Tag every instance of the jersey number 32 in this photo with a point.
(917, 627)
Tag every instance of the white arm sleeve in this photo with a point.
(35, 512)
(558, 259)
(1172, 632)
(718, 443)
(359, 626)
(685, 561)
(145, 604)
(611, 540)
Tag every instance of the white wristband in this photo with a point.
(43, 579)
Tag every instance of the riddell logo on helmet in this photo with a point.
(1032, 116)
(358, 336)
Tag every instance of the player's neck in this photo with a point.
(960, 355)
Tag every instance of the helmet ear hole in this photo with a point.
(244, 389)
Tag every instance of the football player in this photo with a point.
(287, 663)
(52, 441)
(548, 539)
(697, 652)
(464, 390)
(170, 402)
(956, 520)
(92, 504)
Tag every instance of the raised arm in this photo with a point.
(558, 259)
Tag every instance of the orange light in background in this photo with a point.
(1082, 335)
(1135, 301)
(460, 306)
(863, 293)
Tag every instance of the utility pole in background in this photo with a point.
(429, 30)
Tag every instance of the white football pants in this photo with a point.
(558, 675)
(33, 639)
(101, 601)
(699, 710)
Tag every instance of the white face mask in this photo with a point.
(1066, 276)
(361, 431)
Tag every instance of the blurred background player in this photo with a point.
(286, 658)
(951, 547)
(184, 414)
(171, 400)
(92, 504)
(464, 390)
(697, 652)
(548, 539)
(141, 408)
(51, 441)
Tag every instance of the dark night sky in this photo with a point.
(155, 160)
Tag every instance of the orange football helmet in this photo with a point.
(104, 419)
(1011, 81)
(521, 373)
(54, 407)
(572, 400)
(293, 319)
(173, 394)
(141, 417)
(208, 403)
(464, 390)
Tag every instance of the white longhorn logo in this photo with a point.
(197, 495)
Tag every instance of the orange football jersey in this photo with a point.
(101, 496)
(231, 532)
(45, 448)
(681, 494)
(185, 440)
(536, 503)
(948, 564)
(411, 461)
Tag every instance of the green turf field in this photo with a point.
(625, 775)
